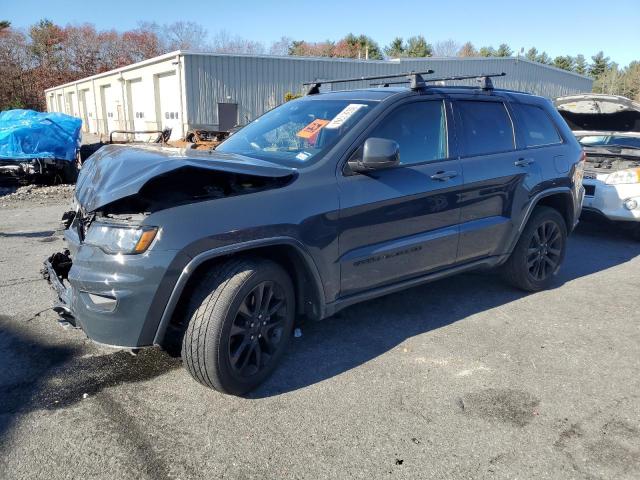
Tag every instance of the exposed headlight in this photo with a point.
(120, 239)
(631, 175)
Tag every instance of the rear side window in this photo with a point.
(420, 129)
(486, 127)
(536, 125)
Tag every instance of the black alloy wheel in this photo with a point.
(539, 252)
(258, 329)
(545, 251)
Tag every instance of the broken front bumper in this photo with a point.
(110, 297)
(615, 202)
(55, 274)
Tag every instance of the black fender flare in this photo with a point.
(532, 204)
(236, 248)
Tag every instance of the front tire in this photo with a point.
(539, 252)
(242, 315)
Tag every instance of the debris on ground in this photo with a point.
(41, 194)
(297, 333)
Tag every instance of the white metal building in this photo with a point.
(183, 90)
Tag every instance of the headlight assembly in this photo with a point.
(120, 239)
(631, 175)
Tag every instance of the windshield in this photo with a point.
(295, 133)
(610, 141)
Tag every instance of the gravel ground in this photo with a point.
(463, 378)
(11, 197)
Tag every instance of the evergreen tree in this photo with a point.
(504, 50)
(532, 54)
(396, 48)
(487, 52)
(418, 47)
(600, 64)
(543, 58)
(565, 62)
(580, 65)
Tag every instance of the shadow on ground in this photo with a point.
(42, 234)
(367, 330)
(39, 376)
(36, 375)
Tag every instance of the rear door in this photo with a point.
(498, 177)
(401, 222)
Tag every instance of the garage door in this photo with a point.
(137, 113)
(87, 110)
(71, 104)
(169, 103)
(110, 109)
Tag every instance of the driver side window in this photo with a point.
(419, 128)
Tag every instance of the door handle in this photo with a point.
(444, 176)
(523, 162)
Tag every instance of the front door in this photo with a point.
(402, 222)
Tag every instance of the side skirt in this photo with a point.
(344, 302)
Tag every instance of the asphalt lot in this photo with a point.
(463, 378)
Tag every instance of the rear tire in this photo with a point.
(242, 315)
(539, 252)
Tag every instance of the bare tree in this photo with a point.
(224, 42)
(281, 47)
(179, 35)
(446, 48)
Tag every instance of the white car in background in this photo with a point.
(608, 127)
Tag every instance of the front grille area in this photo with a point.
(589, 190)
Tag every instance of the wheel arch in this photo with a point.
(563, 203)
(560, 198)
(287, 252)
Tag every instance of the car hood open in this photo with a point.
(599, 113)
(119, 171)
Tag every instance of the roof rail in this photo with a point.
(483, 79)
(415, 79)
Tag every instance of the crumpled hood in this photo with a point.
(118, 171)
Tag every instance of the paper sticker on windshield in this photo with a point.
(313, 128)
(344, 115)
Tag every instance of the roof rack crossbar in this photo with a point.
(483, 79)
(415, 78)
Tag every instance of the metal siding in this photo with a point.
(259, 83)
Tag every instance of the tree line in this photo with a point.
(46, 54)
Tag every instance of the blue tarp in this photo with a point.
(26, 134)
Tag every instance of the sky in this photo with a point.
(559, 27)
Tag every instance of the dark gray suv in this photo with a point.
(323, 202)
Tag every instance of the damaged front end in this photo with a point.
(56, 272)
(118, 258)
(608, 128)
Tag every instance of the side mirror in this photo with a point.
(377, 154)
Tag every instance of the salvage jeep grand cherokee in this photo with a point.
(323, 202)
